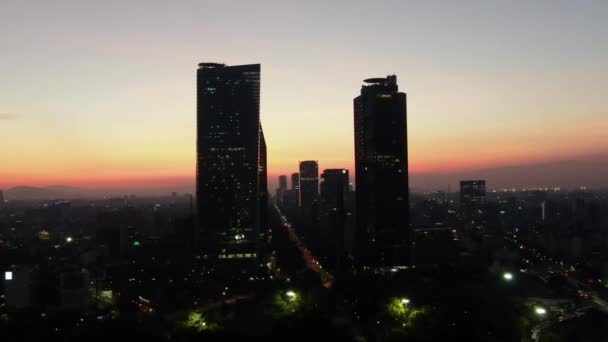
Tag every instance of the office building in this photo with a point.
(472, 198)
(283, 182)
(295, 181)
(334, 189)
(231, 162)
(334, 186)
(282, 189)
(381, 179)
(262, 210)
(309, 184)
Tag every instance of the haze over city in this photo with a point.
(303, 170)
(101, 95)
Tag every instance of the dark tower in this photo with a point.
(281, 189)
(283, 182)
(334, 189)
(295, 181)
(309, 184)
(381, 177)
(472, 198)
(231, 162)
(263, 190)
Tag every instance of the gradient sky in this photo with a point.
(102, 93)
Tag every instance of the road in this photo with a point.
(311, 262)
(543, 267)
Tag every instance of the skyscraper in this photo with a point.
(309, 184)
(263, 190)
(282, 189)
(381, 178)
(231, 161)
(295, 181)
(472, 198)
(333, 188)
(283, 182)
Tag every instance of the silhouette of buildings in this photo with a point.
(309, 185)
(472, 198)
(333, 188)
(263, 188)
(381, 179)
(295, 181)
(231, 161)
(282, 189)
(1, 198)
(283, 182)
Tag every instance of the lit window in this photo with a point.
(8, 275)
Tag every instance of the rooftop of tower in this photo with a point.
(210, 65)
(381, 80)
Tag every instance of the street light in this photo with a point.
(291, 294)
(69, 239)
(540, 311)
(507, 276)
(405, 301)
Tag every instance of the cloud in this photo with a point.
(7, 116)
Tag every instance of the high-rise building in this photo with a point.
(283, 182)
(264, 231)
(231, 161)
(1, 198)
(295, 181)
(291, 195)
(472, 198)
(381, 178)
(333, 188)
(281, 190)
(309, 184)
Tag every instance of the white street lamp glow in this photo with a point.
(291, 294)
(405, 301)
(540, 311)
(69, 239)
(507, 276)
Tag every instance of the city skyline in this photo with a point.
(347, 170)
(506, 96)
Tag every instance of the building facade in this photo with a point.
(309, 184)
(280, 197)
(472, 198)
(333, 188)
(231, 185)
(381, 179)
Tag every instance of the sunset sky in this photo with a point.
(102, 94)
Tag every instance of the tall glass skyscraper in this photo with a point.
(381, 178)
(333, 188)
(231, 185)
(309, 184)
(472, 198)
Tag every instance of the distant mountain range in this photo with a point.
(23, 192)
(566, 174)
